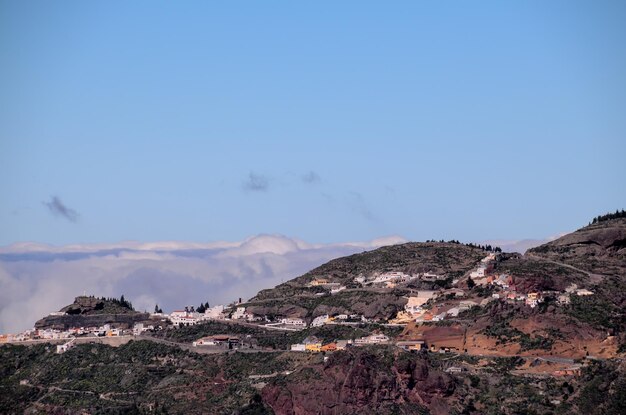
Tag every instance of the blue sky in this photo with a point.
(326, 121)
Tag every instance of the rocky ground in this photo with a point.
(93, 312)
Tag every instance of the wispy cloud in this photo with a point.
(256, 183)
(56, 206)
(359, 205)
(310, 177)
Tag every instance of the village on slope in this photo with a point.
(422, 307)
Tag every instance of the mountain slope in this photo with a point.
(93, 312)
(598, 248)
(296, 298)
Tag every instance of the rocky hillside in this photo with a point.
(449, 259)
(592, 258)
(296, 299)
(366, 381)
(147, 377)
(501, 355)
(599, 248)
(93, 312)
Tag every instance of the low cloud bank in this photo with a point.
(36, 279)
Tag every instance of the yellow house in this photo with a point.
(402, 318)
(318, 281)
(314, 347)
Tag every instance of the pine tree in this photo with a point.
(470, 283)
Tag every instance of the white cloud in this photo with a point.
(36, 279)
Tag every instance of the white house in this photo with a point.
(391, 276)
(454, 369)
(295, 322)
(478, 273)
(338, 289)
(206, 341)
(320, 320)
(454, 312)
(440, 317)
(299, 347)
(430, 276)
(372, 339)
(62, 348)
(138, 328)
(189, 319)
(563, 299)
(414, 304)
(239, 313)
(214, 313)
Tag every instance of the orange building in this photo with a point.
(330, 347)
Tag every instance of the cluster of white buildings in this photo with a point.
(506, 284)
(188, 317)
(392, 278)
(53, 334)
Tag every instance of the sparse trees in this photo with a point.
(603, 218)
(203, 307)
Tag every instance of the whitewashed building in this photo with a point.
(239, 313)
(372, 339)
(294, 322)
(214, 313)
(62, 348)
(320, 320)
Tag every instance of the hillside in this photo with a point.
(599, 248)
(93, 312)
(146, 377)
(592, 258)
(296, 298)
(500, 333)
(599, 252)
(450, 259)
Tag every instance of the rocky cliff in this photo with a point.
(364, 381)
(92, 312)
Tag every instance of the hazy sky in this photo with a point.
(325, 121)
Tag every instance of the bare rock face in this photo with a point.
(92, 312)
(362, 381)
(84, 305)
(287, 310)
